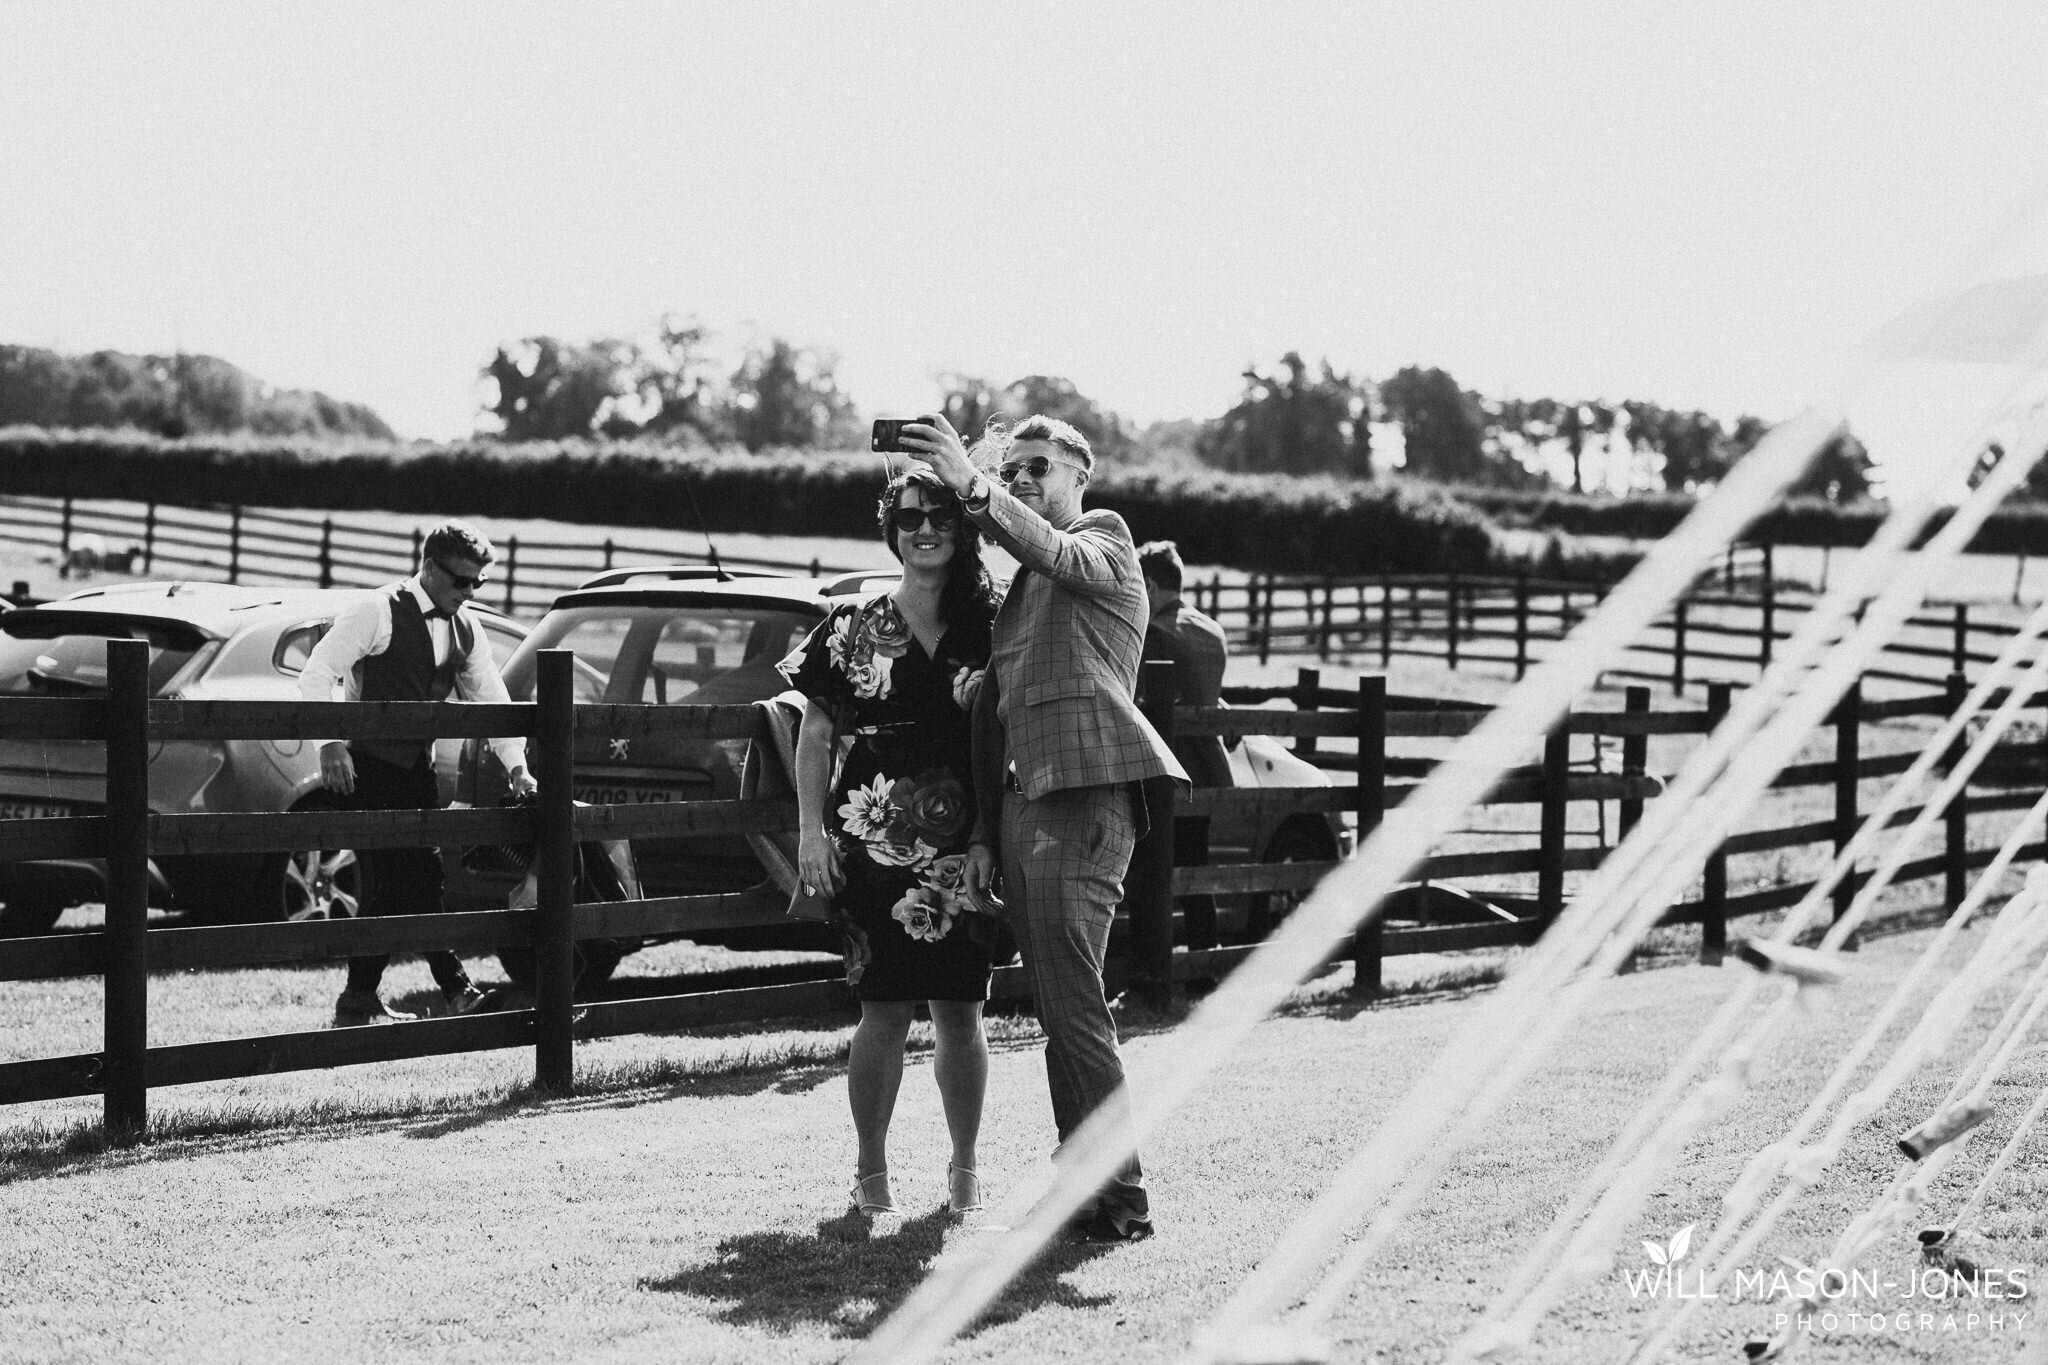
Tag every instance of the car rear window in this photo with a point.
(65, 654)
(663, 655)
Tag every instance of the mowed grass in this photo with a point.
(690, 1205)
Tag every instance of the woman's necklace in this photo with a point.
(921, 614)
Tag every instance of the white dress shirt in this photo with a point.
(364, 629)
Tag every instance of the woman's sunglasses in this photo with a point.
(910, 518)
(1038, 466)
(461, 580)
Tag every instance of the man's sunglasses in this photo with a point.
(910, 518)
(1038, 466)
(460, 580)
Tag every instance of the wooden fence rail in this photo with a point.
(1172, 916)
(248, 544)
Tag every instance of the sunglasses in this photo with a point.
(1038, 466)
(910, 518)
(460, 580)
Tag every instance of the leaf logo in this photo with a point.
(1672, 1255)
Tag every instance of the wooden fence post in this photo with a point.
(1635, 761)
(418, 544)
(554, 933)
(1959, 649)
(1262, 620)
(511, 572)
(1521, 623)
(1386, 621)
(327, 552)
(1678, 648)
(1956, 818)
(1848, 758)
(1451, 619)
(64, 532)
(235, 544)
(1767, 626)
(1329, 611)
(149, 540)
(1150, 885)
(1557, 776)
(125, 1068)
(1370, 797)
(1714, 877)
(608, 555)
(1308, 684)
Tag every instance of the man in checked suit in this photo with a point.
(410, 642)
(1064, 665)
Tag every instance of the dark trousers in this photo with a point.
(403, 881)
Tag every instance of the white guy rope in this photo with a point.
(1636, 1158)
(1749, 768)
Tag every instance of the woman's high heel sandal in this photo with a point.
(865, 1198)
(963, 1189)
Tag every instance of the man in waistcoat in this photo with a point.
(411, 642)
(1075, 752)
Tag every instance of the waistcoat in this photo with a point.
(406, 671)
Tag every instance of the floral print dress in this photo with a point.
(902, 808)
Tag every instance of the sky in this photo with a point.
(1703, 206)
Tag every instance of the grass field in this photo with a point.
(690, 1205)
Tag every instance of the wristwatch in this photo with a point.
(975, 499)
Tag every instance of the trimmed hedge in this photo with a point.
(1267, 523)
(2016, 528)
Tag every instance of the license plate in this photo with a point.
(33, 810)
(629, 796)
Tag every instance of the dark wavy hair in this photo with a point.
(968, 585)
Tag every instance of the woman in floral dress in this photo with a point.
(890, 834)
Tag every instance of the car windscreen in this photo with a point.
(665, 654)
(65, 653)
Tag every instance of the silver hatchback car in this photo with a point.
(207, 640)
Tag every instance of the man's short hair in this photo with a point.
(1062, 434)
(458, 540)
(1159, 560)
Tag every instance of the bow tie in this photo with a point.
(436, 614)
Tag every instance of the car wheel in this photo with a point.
(1292, 843)
(321, 883)
(25, 914)
(596, 960)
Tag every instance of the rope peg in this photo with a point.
(1944, 1128)
(1806, 966)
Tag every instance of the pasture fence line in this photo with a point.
(1170, 936)
(1514, 620)
(235, 544)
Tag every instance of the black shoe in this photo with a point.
(1111, 1224)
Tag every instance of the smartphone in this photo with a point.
(888, 434)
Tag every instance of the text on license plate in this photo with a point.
(33, 810)
(628, 796)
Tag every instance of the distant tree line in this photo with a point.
(176, 395)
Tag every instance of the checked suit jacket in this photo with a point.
(1067, 645)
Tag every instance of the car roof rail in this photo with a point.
(860, 580)
(672, 573)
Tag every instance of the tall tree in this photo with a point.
(1295, 421)
(548, 389)
(675, 383)
(786, 396)
(1444, 430)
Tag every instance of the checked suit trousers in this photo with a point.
(1064, 857)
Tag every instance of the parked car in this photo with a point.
(211, 641)
(688, 635)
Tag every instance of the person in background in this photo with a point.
(1198, 649)
(893, 837)
(1074, 751)
(411, 642)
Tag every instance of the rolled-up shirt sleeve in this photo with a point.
(479, 681)
(330, 671)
